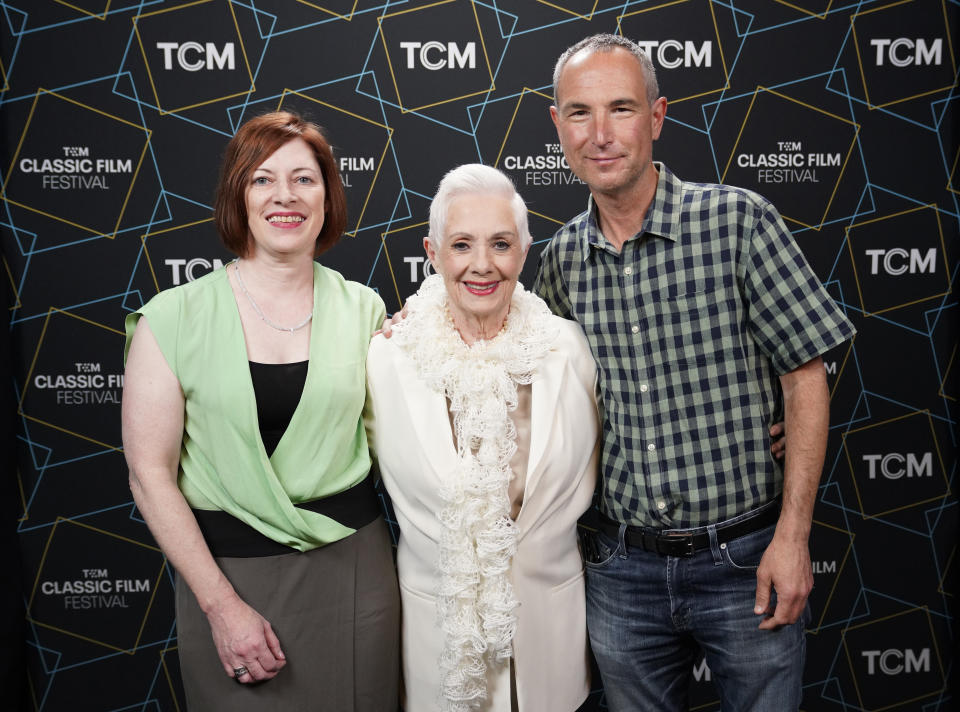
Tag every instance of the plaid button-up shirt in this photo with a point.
(691, 325)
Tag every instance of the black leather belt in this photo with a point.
(689, 542)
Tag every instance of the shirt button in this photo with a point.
(661, 505)
(651, 447)
(635, 329)
(628, 270)
(644, 388)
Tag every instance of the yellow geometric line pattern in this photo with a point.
(386, 251)
(146, 250)
(98, 16)
(16, 293)
(843, 365)
(331, 12)
(33, 364)
(383, 154)
(951, 363)
(946, 572)
(856, 274)
(843, 167)
(805, 11)
(153, 591)
(513, 118)
(815, 630)
(133, 178)
(146, 61)
(936, 447)
(547, 217)
(25, 516)
(506, 136)
(705, 705)
(31, 685)
(3, 76)
(716, 31)
(953, 173)
(863, 76)
(936, 650)
(166, 674)
(393, 75)
(555, 6)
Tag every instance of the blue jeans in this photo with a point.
(647, 614)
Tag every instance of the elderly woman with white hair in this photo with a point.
(484, 421)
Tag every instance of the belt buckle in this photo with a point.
(687, 541)
(679, 544)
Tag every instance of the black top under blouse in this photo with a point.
(277, 387)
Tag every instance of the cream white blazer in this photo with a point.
(409, 430)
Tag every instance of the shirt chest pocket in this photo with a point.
(696, 328)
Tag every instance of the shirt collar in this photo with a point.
(660, 219)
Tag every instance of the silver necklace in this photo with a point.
(259, 311)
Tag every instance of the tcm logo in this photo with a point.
(894, 466)
(193, 56)
(903, 52)
(437, 55)
(897, 662)
(897, 261)
(671, 54)
(181, 269)
(417, 266)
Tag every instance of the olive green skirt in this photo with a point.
(336, 611)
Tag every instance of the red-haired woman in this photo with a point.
(243, 432)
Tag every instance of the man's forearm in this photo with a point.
(807, 416)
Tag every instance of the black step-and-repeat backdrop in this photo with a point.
(114, 115)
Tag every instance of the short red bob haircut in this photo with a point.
(254, 142)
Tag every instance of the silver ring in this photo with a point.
(239, 672)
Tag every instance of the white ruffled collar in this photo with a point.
(475, 602)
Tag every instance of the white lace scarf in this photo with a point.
(475, 601)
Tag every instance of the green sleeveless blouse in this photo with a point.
(223, 464)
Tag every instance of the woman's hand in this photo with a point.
(245, 639)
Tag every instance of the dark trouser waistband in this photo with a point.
(228, 536)
(689, 542)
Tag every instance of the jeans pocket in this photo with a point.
(745, 552)
(598, 549)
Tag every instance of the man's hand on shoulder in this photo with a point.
(387, 327)
(778, 440)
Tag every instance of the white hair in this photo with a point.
(476, 179)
